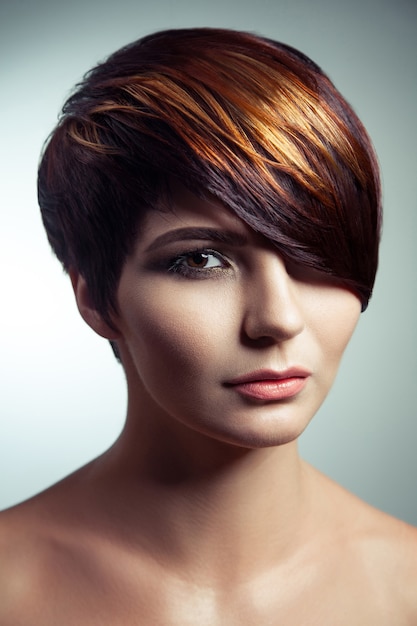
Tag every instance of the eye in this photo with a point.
(198, 263)
(202, 260)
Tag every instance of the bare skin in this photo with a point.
(202, 512)
(229, 549)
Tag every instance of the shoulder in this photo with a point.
(41, 554)
(63, 569)
(21, 566)
(389, 548)
(382, 552)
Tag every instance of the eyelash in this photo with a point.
(176, 265)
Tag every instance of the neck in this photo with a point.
(204, 505)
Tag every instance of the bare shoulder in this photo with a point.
(378, 549)
(22, 552)
(389, 546)
(42, 552)
(384, 551)
(60, 563)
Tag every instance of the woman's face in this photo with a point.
(224, 337)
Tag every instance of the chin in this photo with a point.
(256, 437)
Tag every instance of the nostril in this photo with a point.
(258, 341)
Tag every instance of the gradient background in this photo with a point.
(62, 396)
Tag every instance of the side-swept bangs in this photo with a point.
(249, 120)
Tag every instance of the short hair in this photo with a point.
(250, 121)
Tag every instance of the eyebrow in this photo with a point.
(229, 237)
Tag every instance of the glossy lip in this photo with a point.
(270, 385)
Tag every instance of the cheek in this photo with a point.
(164, 331)
(339, 321)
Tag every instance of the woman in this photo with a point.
(216, 204)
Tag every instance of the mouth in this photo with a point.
(270, 385)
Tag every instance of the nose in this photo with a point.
(273, 311)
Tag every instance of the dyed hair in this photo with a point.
(250, 120)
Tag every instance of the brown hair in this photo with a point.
(251, 121)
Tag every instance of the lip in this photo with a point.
(271, 385)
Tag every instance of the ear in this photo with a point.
(87, 310)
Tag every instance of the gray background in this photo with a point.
(62, 395)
